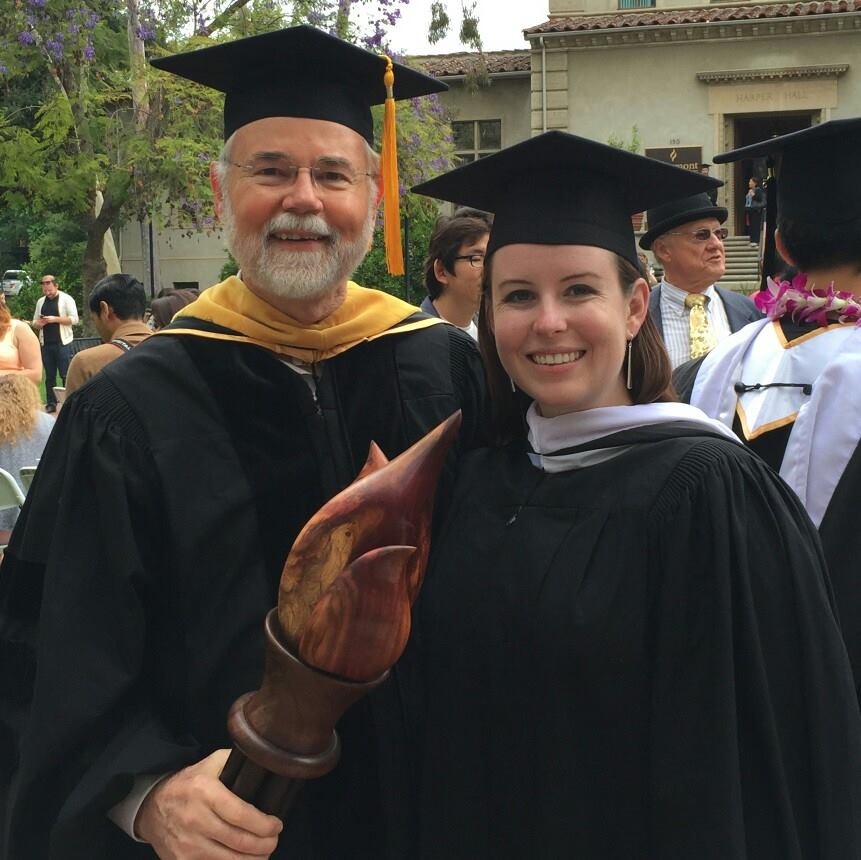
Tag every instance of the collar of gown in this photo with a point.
(364, 315)
(549, 436)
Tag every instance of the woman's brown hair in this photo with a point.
(651, 372)
(5, 318)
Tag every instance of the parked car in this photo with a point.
(13, 281)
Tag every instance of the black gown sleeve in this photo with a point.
(756, 736)
(76, 717)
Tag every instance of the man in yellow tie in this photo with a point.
(132, 611)
(692, 313)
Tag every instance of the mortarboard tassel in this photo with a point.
(391, 197)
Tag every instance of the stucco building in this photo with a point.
(692, 80)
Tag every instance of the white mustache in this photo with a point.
(287, 221)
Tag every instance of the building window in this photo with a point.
(476, 138)
(636, 4)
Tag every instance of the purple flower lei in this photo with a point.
(808, 305)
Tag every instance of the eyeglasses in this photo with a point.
(704, 234)
(326, 174)
(475, 260)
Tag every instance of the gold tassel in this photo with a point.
(391, 196)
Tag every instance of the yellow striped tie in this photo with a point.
(700, 334)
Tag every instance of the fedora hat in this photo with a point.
(665, 216)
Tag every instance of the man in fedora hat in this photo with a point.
(691, 312)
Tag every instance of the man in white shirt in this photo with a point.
(53, 318)
(691, 312)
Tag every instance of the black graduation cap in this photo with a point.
(298, 71)
(561, 189)
(818, 171)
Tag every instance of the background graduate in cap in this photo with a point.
(790, 386)
(626, 638)
(133, 594)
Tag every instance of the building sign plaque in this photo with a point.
(688, 157)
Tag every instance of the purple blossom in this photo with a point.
(25, 37)
(74, 29)
(145, 32)
(374, 41)
(415, 140)
(38, 4)
(54, 48)
(3, 68)
(439, 163)
(89, 51)
(30, 20)
(92, 20)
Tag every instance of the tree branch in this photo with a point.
(221, 20)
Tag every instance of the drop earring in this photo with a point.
(513, 386)
(628, 372)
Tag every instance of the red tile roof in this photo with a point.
(445, 65)
(700, 15)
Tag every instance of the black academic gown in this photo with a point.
(133, 594)
(639, 659)
(840, 519)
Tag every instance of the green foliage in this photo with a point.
(22, 306)
(632, 145)
(373, 271)
(439, 24)
(56, 248)
(76, 116)
(229, 268)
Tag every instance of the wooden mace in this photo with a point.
(342, 620)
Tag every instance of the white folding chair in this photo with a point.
(26, 473)
(10, 495)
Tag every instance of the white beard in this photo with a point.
(297, 274)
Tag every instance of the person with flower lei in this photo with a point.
(790, 385)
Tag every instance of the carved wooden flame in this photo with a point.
(354, 570)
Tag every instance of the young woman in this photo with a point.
(19, 347)
(625, 644)
(754, 203)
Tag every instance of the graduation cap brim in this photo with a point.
(561, 189)
(818, 171)
(297, 72)
(826, 135)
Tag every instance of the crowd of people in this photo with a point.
(632, 637)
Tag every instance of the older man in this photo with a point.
(132, 614)
(691, 312)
